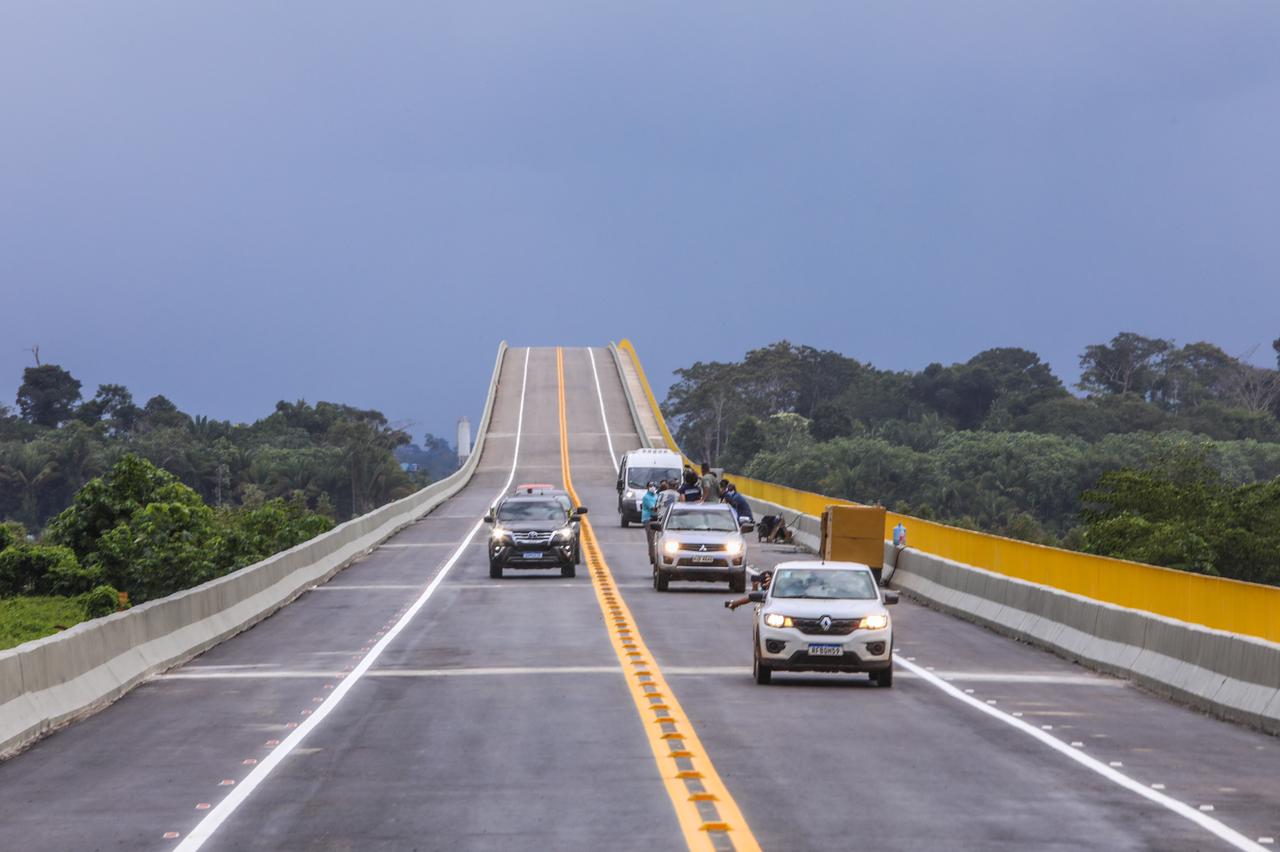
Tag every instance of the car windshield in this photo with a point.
(640, 477)
(805, 583)
(531, 510)
(705, 521)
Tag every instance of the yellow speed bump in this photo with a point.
(708, 816)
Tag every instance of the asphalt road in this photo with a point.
(498, 717)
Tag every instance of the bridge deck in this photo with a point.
(499, 717)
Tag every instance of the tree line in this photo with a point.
(337, 460)
(999, 443)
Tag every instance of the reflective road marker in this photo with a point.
(708, 816)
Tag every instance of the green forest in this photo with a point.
(1167, 453)
(101, 496)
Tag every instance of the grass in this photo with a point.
(25, 618)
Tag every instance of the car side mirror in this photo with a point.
(890, 598)
(756, 597)
(746, 526)
(488, 519)
(581, 510)
(656, 526)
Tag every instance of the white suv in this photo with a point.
(702, 542)
(823, 617)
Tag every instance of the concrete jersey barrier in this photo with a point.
(1231, 675)
(50, 682)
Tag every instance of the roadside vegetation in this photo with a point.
(341, 461)
(104, 502)
(1170, 455)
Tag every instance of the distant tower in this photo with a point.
(464, 440)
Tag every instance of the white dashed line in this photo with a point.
(1210, 824)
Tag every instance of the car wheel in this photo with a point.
(568, 571)
(625, 523)
(762, 672)
(659, 580)
(738, 582)
(495, 569)
(884, 677)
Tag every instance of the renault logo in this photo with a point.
(825, 623)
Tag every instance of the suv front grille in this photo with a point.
(839, 626)
(703, 548)
(531, 537)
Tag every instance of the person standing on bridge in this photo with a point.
(668, 495)
(648, 511)
(709, 483)
(689, 491)
(649, 503)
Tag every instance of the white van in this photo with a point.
(636, 470)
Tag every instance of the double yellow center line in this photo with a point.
(708, 816)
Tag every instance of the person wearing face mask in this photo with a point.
(648, 512)
(648, 503)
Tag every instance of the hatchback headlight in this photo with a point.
(776, 619)
(879, 621)
(671, 547)
(733, 548)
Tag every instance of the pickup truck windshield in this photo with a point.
(702, 521)
(803, 583)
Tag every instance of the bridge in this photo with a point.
(376, 689)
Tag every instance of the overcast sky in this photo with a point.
(233, 203)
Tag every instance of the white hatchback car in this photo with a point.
(824, 617)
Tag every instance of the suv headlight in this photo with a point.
(672, 547)
(499, 535)
(776, 619)
(563, 534)
(630, 495)
(879, 621)
(733, 548)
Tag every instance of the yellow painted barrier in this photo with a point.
(1250, 609)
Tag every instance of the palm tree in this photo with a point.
(29, 469)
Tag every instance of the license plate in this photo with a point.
(826, 650)
(531, 554)
(703, 560)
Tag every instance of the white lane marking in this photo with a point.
(613, 460)
(514, 583)
(533, 582)
(280, 674)
(1215, 827)
(290, 674)
(420, 543)
(1031, 677)
(269, 670)
(498, 670)
(218, 815)
(350, 587)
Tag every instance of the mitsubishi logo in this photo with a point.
(703, 548)
(825, 623)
